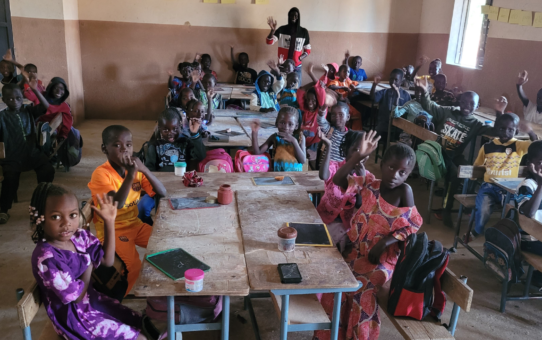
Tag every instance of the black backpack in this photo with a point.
(502, 253)
(415, 289)
(71, 151)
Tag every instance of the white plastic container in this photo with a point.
(287, 237)
(193, 280)
(180, 168)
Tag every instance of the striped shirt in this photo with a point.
(336, 138)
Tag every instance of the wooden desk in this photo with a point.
(241, 93)
(225, 92)
(308, 181)
(243, 114)
(211, 235)
(236, 86)
(263, 133)
(223, 123)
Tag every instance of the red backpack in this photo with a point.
(247, 162)
(217, 160)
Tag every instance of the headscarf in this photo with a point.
(263, 98)
(49, 91)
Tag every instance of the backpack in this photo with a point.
(415, 289)
(71, 150)
(430, 161)
(247, 162)
(217, 160)
(188, 309)
(502, 253)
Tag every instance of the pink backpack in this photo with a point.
(247, 162)
(217, 160)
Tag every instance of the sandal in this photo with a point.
(4, 217)
(471, 238)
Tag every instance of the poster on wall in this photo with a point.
(504, 14)
(227, 1)
(493, 13)
(526, 18)
(262, 2)
(537, 20)
(210, 1)
(485, 9)
(515, 16)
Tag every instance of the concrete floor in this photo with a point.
(521, 320)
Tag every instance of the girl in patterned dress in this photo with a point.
(387, 216)
(62, 264)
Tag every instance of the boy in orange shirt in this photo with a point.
(123, 177)
(346, 88)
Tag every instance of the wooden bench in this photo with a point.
(468, 201)
(456, 290)
(30, 300)
(303, 309)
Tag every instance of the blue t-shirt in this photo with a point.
(358, 75)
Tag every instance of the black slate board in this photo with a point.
(175, 262)
(312, 234)
(231, 133)
(268, 181)
(191, 203)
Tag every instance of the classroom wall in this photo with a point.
(46, 33)
(509, 50)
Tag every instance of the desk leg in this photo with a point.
(225, 317)
(284, 317)
(171, 317)
(336, 315)
(506, 201)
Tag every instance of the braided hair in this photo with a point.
(349, 138)
(37, 206)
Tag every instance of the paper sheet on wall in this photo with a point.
(526, 18)
(537, 19)
(515, 16)
(493, 13)
(210, 1)
(227, 1)
(485, 9)
(504, 14)
(262, 2)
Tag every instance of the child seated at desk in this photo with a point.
(18, 133)
(335, 129)
(434, 68)
(208, 91)
(532, 111)
(386, 99)
(56, 95)
(356, 73)
(167, 148)
(196, 110)
(330, 73)
(62, 264)
(288, 96)
(501, 157)
(458, 127)
(336, 207)
(529, 202)
(288, 144)
(286, 67)
(7, 70)
(187, 94)
(311, 103)
(32, 71)
(205, 61)
(176, 84)
(442, 96)
(244, 75)
(264, 97)
(123, 177)
(387, 216)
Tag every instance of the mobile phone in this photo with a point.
(289, 273)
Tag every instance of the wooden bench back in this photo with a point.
(456, 290)
(477, 172)
(415, 130)
(529, 225)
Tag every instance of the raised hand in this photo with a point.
(346, 55)
(325, 67)
(423, 60)
(127, 162)
(194, 125)
(107, 210)
(523, 77)
(377, 79)
(273, 66)
(197, 57)
(272, 23)
(196, 76)
(323, 137)
(369, 143)
(422, 84)
(8, 56)
(281, 59)
(500, 104)
(255, 125)
(211, 93)
(170, 72)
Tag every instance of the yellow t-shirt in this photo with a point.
(430, 83)
(105, 179)
(502, 160)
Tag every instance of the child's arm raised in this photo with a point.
(196, 76)
(373, 88)
(34, 87)
(157, 186)
(170, 79)
(500, 105)
(526, 128)
(7, 57)
(311, 73)
(132, 169)
(523, 78)
(346, 58)
(209, 116)
(108, 212)
(422, 61)
(259, 149)
(369, 142)
(530, 207)
(233, 62)
(273, 25)
(324, 167)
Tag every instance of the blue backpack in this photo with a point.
(71, 151)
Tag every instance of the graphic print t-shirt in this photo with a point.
(502, 159)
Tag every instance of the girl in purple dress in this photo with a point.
(62, 264)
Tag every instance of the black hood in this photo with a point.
(298, 22)
(49, 91)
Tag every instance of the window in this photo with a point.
(468, 34)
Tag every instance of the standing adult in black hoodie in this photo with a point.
(294, 42)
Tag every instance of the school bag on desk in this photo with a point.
(217, 160)
(415, 289)
(502, 253)
(247, 162)
(430, 161)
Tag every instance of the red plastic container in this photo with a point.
(225, 194)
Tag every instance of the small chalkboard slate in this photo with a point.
(231, 133)
(218, 139)
(175, 262)
(272, 181)
(190, 203)
(312, 234)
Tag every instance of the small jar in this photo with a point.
(287, 236)
(180, 168)
(225, 194)
(193, 280)
(488, 122)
